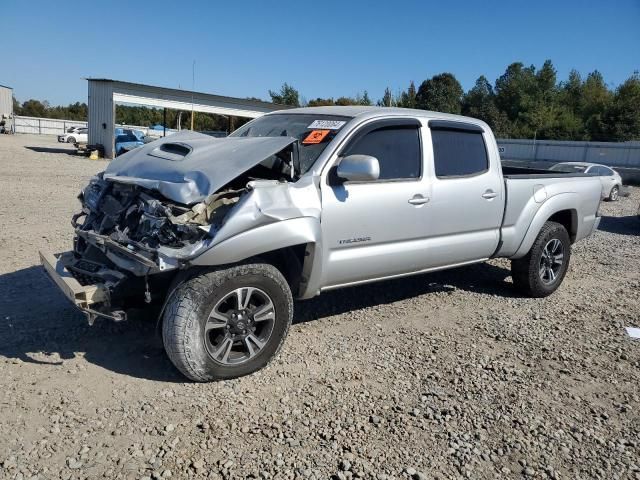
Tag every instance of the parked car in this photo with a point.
(159, 131)
(610, 180)
(126, 142)
(79, 135)
(71, 130)
(129, 131)
(223, 233)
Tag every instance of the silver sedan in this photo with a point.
(610, 180)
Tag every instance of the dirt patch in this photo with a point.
(436, 376)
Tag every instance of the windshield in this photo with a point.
(567, 167)
(314, 132)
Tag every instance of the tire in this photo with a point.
(527, 272)
(202, 339)
(614, 194)
(71, 139)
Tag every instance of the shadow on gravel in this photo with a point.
(39, 325)
(629, 225)
(70, 151)
(480, 278)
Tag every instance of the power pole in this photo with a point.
(193, 87)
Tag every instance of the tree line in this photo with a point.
(524, 102)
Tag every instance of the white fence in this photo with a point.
(44, 126)
(54, 126)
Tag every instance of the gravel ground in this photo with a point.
(445, 375)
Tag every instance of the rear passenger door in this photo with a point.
(467, 198)
(377, 229)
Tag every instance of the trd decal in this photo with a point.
(354, 240)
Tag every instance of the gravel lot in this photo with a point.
(445, 375)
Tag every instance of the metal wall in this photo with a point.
(6, 101)
(102, 116)
(44, 126)
(625, 154)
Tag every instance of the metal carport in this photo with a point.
(104, 93)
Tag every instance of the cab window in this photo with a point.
(397, 149)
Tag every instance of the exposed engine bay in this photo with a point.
(129, 222)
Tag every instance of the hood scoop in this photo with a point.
(171, 151)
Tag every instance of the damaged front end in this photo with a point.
(155, 210)
(129, 241)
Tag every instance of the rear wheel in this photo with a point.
(227, 323)
(614, 194)
(541, 271)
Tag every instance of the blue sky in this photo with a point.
(329, 48)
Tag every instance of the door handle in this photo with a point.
(418, 200)
(489, 194)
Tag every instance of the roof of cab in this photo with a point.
(370, 111)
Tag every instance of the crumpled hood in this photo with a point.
(187, 167)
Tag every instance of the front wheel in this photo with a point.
(227, 323)
(71, 140)
(541, 271)
(614, 194)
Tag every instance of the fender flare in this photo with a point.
(555, 204)
(256, 241)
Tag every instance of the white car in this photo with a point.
(79, 135)
(610, 179)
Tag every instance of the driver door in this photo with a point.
(377, 229)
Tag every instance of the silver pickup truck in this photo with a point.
(220, 235)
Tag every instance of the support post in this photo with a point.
(164, 122)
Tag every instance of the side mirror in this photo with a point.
(358, 168)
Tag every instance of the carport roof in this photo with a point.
(240, 103)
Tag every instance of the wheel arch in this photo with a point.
(288, 245)
(560, 209)
(568, 218)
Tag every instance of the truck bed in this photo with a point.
(524, 172)
(529, 192)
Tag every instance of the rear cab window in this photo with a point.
(459, 149)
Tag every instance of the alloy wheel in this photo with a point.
(551, 261)
(239, 326)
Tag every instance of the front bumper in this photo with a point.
(90, 298)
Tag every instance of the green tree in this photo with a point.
(364, 100)
(479, 102)
(515, 91)
(596, 99)
(622, 119)
(441, 93)
(408, 98)
(17, 108)
(321, 102)
(286, 96)
(570, 93)
(35, 108)
(346, 101)
(387, 99)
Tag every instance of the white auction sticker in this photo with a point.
(327, 124)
